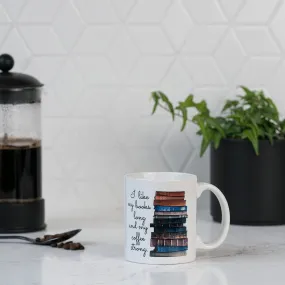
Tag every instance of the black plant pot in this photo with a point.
(254, 186)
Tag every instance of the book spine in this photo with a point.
(169, 242)
(169, 203)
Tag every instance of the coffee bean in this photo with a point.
(66, 246)
(73, 246)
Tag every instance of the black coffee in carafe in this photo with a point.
(20, 170)
(21, 203)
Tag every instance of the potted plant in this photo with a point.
(247, 153)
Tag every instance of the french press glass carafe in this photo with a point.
(21, 203)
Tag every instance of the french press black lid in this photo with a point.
(17, 88)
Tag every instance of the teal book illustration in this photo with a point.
(169, 236)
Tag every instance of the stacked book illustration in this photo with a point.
(169, 237)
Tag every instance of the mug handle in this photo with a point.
(225, 216)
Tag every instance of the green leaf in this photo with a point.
(155, 97)
(199, 132)
(189, 101)
(249, 95)
(204, 145)
(202, 107)
(270, 137)
(165, 99)
(229, 104)
(217, 138)
(214, 123)
(200, 121)
(249, 134)
(272, 105)
(184, 113)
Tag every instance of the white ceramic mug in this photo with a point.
(160, 217)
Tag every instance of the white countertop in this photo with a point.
(251, 255)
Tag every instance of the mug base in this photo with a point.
(163, 260)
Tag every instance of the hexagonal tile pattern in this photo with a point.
(177, 82)
(96, 70)
(123, 7)
(69, 85)
(149, 11)
(132, 99)
(147, 133)
(100, 60)
(100, 102)
(151, 40)
(212, 14)
(39, 11)
(123, 53)
(203, 39)
(177, 24)
(176, 149)
(197, 164)
(204, 71)
(104, 36)
(257, 71)
(76, 135)
(257, 41)
(145, 159)
(256, 11)
(3, 32)
(4, 18)
(45, 68)
(15, 45)
(230, 56)
(53, 107)
(278, 23)
(68, 16)
(97, 11)
(149, 70)
(231, 8)
(13, 8)
(42, 40)
(100, 162)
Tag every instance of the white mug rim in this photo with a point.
(161, 176)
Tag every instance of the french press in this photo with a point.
(21, 203)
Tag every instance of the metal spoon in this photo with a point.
(59, 238)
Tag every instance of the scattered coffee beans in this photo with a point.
(69, 245)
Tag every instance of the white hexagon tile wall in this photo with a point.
(99, 60)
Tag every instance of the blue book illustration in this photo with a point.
(170, 230)
(170, 208)
(177, 225)
(170, 248)
(159, 221)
